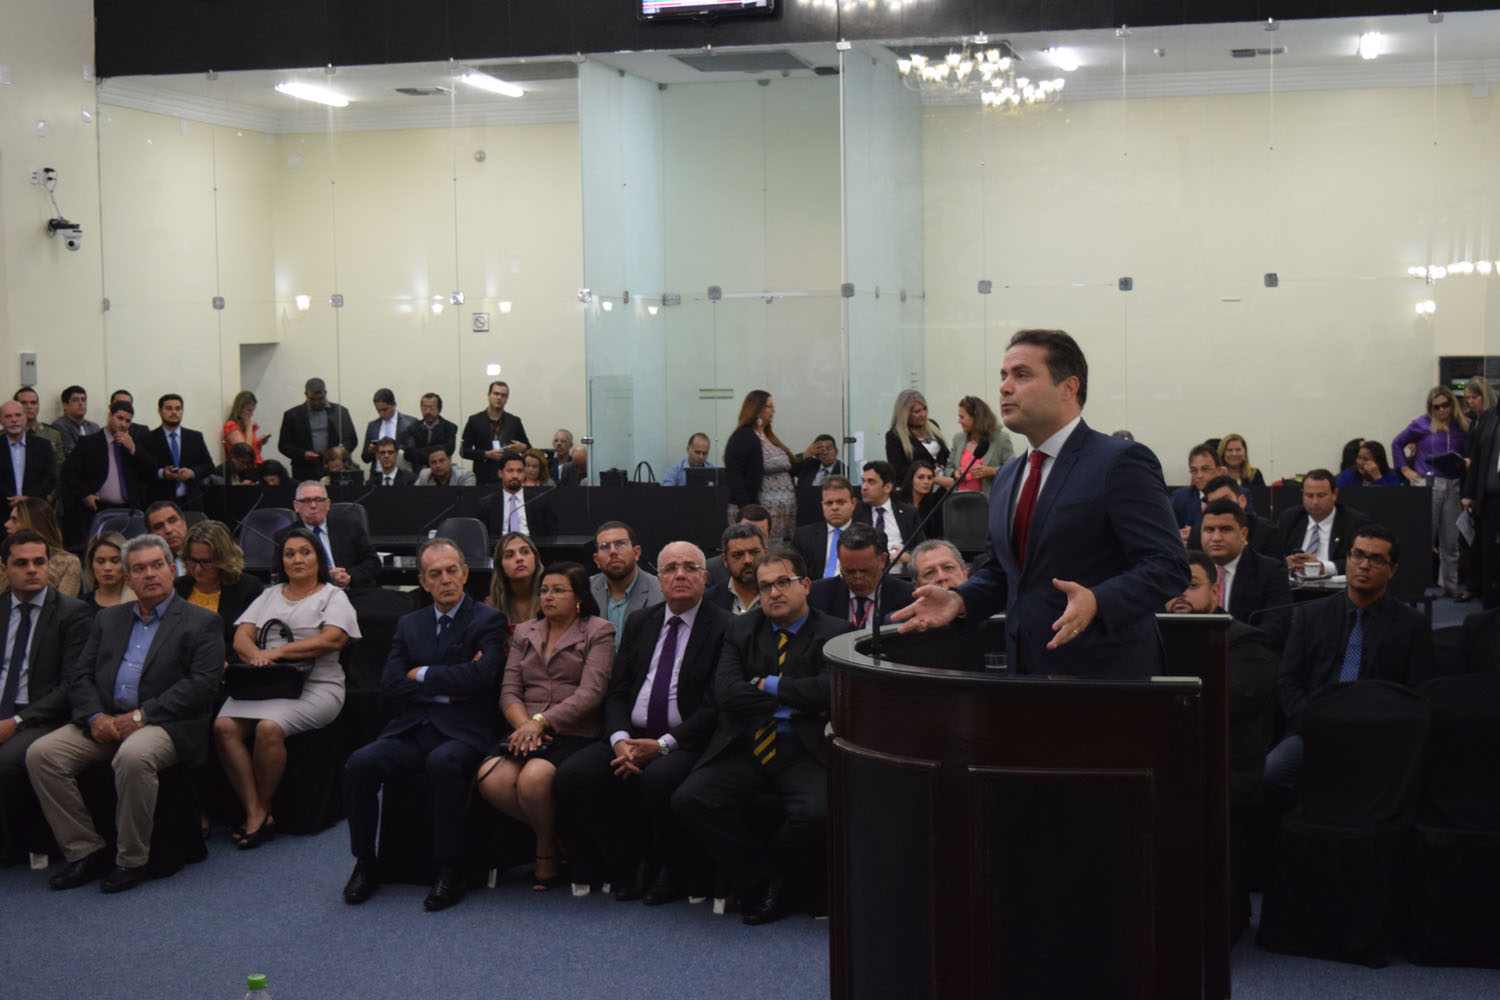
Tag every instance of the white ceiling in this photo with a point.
(1138, 62)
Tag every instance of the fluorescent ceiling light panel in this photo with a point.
(312, 92)
(484, 81)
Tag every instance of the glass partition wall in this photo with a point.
(1249, 227)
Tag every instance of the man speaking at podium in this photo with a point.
(1081, 533)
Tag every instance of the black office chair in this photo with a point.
(257, 536)
(1455, 874)
(966, 519)
(1339, 883)
(114, 519)
(472, 537)
(349, 515)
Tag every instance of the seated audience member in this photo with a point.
(754, 513)
(105, 470)
(338, 466)
(615, 794)
(819, 461)
(1265, 537)
(818, 543)
(63, 568)
(442, 679)
(353, 564)
(142, 720)
(1253, 588)
(311, 428)
(697, 458)
(387, 470)
(879, 509)
(273, 473)
(251, 735)
(1479, 650)
(104, 572)
(216, 577)
(441, 471)
(979, 451)
(537, 474)
(851, 595)
(937, 562)
(562, 453)
(27, 454)
(179, 453)
(1252, 666)
(1187, 501)
(621, 586)
(72, 427)
(1234, 458)
(576, 471)
(388, 423)
(771, 691)
(240, 426)
(165, 518)
(743, 544)
(44, 632)
(238, 468)
(552, 699)
(1320, 530)
(920, 490)
(430, 432)
(31, 405)
(1370, 468)
(511, 510)
(1365, 634)
(1350, 453)
(516, 579)
(912, 435)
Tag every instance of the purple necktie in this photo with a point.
(661, 687)
(515, 514)
(879, 518)
(120, 470)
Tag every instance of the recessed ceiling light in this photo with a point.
(1371, 44)
(484, 81)
(312, 92)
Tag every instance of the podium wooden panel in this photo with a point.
(1025, 836)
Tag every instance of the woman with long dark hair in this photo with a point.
(982, 448)
(759, 467)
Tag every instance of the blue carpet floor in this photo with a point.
(277, 910)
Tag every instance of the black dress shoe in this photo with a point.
(447, 890)
(768, 908)
(635, 887)
(665, 889)
(124, 879)
(362, 883)
(83, 871)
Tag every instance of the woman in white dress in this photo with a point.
(251, 735)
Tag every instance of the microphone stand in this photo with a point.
(876, 648)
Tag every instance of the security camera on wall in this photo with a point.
(71, 232)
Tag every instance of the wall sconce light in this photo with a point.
(492, 369)
(304, 303)
(505, 306)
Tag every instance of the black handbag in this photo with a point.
(276, 680)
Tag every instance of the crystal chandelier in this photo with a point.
(982, 70)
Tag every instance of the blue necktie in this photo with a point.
(13, 671)
(176, 452)
(831, 563)
(443, 622)
(1354, 649)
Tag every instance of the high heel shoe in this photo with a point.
(265, 832)
(540, 883)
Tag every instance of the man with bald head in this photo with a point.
(576, 471)
(616, 795)
(28, 470)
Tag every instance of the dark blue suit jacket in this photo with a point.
(473, 715)
(1187, 506)
(1101, 520)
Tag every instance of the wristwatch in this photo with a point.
(18, 721)
(539, 717)
(663, 747)
(136, 718)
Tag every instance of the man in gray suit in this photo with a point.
(620, 587)
(40, 631)
(141, 695)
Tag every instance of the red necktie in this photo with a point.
(1020, 525)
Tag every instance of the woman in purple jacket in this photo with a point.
(1443, 429)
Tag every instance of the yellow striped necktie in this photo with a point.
(765, 736)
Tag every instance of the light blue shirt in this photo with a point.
(616, 611)
(677, 474)
(783, 713)
(18, 461)
(142, 634)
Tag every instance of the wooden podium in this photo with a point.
(1027, 837)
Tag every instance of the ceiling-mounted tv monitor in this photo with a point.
(664, 10)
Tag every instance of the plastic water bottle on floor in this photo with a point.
(257, 987)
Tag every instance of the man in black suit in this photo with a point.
(28, 466)
(851, 595)
(352, 559)
(616, 795)
(1317, 536)
(386, 471)
(106, 469)
(41, 634)
(141, 694)
(388, 423)
(511, 509)
(164, 519)
(1481, 497)
(180, 455)
(561, 455)
(820, 461)
(576, 471)
(491, 434)
(772, 693)
(1188, 501)
(1264, 538)
(312, 428)
(818, 543)
(1252, 587)
(883, 512)
(137, 431)
(432, 431)
(742, 545)
(442, 676)
(1365, 634)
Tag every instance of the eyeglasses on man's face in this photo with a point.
(780, 583)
